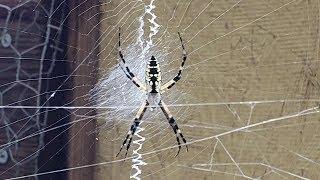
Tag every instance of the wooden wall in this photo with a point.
(82, 52)
(261, 55)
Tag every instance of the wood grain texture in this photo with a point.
(256, 51)
(82, 54)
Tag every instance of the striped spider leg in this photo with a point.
(127, 71)
(134, 127)
(172, 82)
(173, 125)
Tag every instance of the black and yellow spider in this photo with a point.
(153, 90)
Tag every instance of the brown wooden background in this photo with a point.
(260, 51)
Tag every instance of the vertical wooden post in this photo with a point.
(82, 53)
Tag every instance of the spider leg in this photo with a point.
(172, 82)
(127, 71)
(133, 127)
(173, 125)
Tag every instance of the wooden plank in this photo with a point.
(84, 62)
(255, 51)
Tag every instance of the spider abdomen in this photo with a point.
(153, 75)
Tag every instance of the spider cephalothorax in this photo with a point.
(153, 90)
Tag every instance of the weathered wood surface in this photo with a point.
(259, 51)
(82, 38)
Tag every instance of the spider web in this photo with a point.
(247, 101)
